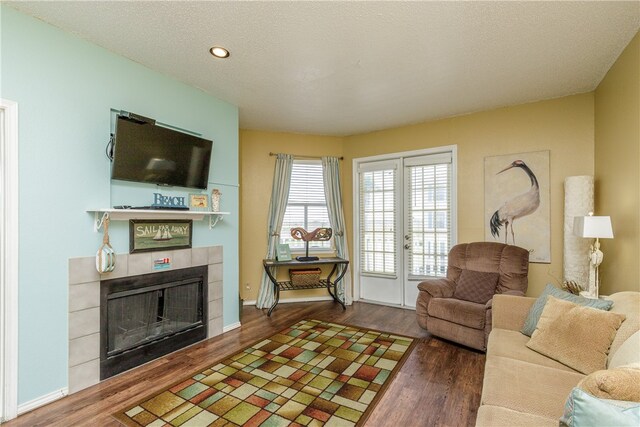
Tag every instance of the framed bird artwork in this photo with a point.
(516, 202)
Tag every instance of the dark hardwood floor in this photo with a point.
(439, 385)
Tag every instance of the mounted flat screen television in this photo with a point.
(149, 153)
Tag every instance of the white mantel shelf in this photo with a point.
(127, 214)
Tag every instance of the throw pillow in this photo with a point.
(536, 309)
(476, 286)
(618, 384)
(583, 409)
(576, 336)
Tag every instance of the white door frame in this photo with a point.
(9, 261)
(453, 149)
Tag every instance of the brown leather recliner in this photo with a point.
(466, 322)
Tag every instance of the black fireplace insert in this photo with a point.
(145, 317)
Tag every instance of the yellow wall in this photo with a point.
(617, 164)
(564, 126)
(256, 178)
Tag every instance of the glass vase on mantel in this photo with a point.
(215, 200)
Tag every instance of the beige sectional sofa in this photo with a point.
(524, 388)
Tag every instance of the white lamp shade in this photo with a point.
(593, 227)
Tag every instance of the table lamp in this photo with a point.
(590, 227)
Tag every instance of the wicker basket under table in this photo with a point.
(304, 277)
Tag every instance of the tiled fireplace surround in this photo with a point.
(84, 302)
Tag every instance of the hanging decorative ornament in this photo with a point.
(106, 256)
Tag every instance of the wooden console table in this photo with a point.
(339, 267)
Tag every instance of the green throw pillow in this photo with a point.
(583, 410)
(531, 321)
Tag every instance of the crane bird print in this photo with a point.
(517, 202)
(516, 207)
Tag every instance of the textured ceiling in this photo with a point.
(341, 68)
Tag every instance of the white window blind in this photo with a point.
(306, 206)
(378, 221)
(429, 226)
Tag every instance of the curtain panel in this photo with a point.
(333, 194)
(277, 206)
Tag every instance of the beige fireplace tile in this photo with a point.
(211, 310)
(84, 375)
(84, 349)
(215, 254)
(215, 309)
(84, 322)
(214, 290)
(214, 327)
(140, 264)
(83, 270)
(121, 270)
(83, 296)
(214, 273)
(199, 256)
(181, 259)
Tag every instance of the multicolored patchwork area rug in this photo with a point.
(312, 374)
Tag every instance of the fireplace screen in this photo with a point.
(145, 317)
(151, 315)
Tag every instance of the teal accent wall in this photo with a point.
(65, 88)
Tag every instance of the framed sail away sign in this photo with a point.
(147, 235)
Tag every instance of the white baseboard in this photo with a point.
(302, 299)
(42, 400)
(231, 327)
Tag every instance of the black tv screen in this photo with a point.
(146, 152)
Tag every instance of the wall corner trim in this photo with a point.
(9, 270)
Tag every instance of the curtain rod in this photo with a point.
(297, 156)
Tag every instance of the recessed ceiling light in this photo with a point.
(219, 52)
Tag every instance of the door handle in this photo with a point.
(407, 237)
(407, 246)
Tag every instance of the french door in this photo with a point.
(406, 223)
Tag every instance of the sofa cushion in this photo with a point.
(618, 384)
(577, 336)
(627, 303)
(458, 311)
(513, 344)
(536, 309)
(497, 416)
(525, 387)
(582, 409)
(476, 286)
(628, 353)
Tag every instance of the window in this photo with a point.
(378, 221)
(307, 206)
(429, 204)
